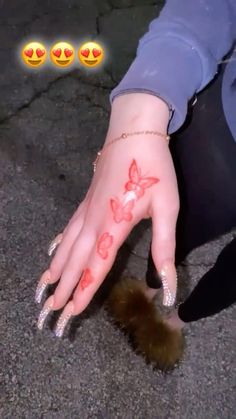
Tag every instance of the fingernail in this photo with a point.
(168, 275)
(42, 285)
(44, 312)
(63, 319)
(53, 245)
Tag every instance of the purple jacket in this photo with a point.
(180, 53)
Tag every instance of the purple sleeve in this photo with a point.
(179, 54)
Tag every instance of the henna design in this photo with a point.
(104, 242)
(86, 279)
(137, 182)
(122, 211)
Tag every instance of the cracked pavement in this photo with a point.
(51, 125)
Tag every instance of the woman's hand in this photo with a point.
(134, 179)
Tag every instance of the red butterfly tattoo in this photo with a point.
(137, 182)
(86, 279)
(104, 242)
(122, 211)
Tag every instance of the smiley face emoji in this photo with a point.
(62, 54)
(91, 54)
(34, 54)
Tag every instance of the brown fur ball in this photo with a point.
(137, 316)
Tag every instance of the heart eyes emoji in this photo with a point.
(91, 54)
(62, 54)
(34, 54)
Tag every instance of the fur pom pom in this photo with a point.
(138, 317)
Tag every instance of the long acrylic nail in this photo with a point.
(45, 311)
(42, 285)
(63, 319)
(53, 245)
(168, 275)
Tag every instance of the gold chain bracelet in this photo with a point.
(125, 135)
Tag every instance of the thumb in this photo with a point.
(163, 252)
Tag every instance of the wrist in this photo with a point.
(138, 111)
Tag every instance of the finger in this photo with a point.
(79, 211)
(163, 251)
(73, 268)
(62, 254)
(94, 273)
(57, 240)
(61, 295)
(51, 275)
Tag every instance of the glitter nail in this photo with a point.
(44, 312)
(40, 290)
(61, 324)
(42, 286)
(53, 245)
(169, 298)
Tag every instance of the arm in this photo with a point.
(179, 55)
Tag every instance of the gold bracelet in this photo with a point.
(123, 136)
